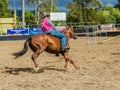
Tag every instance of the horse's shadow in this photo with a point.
(16, 71)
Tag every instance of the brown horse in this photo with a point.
(51, 44)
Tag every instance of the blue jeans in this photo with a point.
(58, 34)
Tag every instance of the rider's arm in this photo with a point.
(52, 24)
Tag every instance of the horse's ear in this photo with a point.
(67, 27)
(71, 27)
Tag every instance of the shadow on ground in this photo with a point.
(16, 71)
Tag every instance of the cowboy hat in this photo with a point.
(45, 14)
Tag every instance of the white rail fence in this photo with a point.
(89, 30)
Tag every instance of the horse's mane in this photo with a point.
(64, 30)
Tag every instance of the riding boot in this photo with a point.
(65, 49)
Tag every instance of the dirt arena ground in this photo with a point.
(99, 67)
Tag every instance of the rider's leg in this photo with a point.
(62, 37)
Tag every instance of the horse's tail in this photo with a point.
(23, 51)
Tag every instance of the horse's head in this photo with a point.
(69, 32)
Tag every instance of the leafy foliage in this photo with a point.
(45, 5)
(117, 5)
(86, 10)
(4, 10)
(29, 18)
(78, 11)
(92, 11)
(42, 6)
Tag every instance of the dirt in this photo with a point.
(99, 67)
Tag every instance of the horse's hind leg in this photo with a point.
(35, 56)
(67, 58)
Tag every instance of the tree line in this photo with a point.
(78, 11)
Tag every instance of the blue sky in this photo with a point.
(18, 5)
(112, 2)
(60, 6)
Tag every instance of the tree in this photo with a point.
(29, 17)
(110, 14)
(87, 10)
(43, 6)
(73, 15)
(117, 5)
(4, 10)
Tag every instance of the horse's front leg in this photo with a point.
(66, 61)
(67, 58)
(67, 43)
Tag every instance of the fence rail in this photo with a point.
(78, 27)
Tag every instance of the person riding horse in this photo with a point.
(43, 42)
(49, 28)
(49, 43)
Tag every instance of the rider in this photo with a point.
(49, 28)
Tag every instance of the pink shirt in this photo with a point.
(45, 25)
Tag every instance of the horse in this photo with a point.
(51, 44)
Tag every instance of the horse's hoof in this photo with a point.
(37, 70)
(65, 67)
